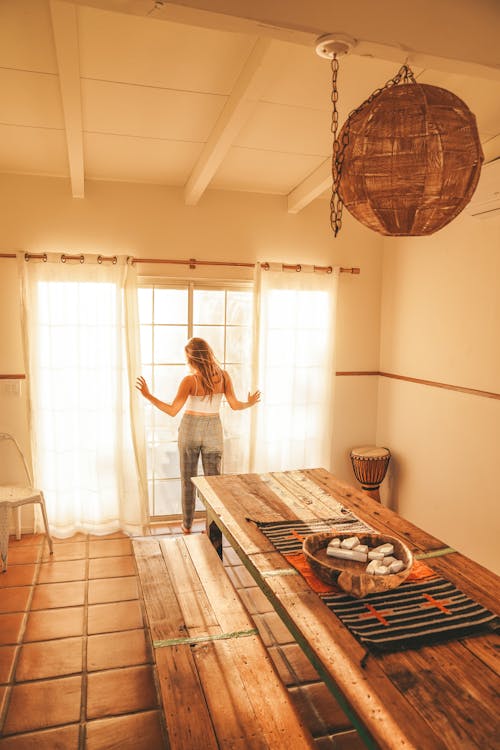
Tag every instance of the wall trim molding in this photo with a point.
(421, 381)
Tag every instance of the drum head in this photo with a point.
(370, 451)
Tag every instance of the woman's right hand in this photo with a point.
(142, 386)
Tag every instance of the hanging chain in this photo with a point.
(404, 75)
(336, 203)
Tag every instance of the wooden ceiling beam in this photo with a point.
(310, 188)
(237, 110)
(65, 30)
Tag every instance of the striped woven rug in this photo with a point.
(425, 610)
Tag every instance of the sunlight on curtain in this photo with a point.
(295, 314)
(79, 327)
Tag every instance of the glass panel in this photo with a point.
(239, 308)
(208, 307)
(165, 460)
(241, 377)
(238, 345)
(169, 343)
(213, 335)
(171, 306)
(146, 336)
(167, 494)
(145, 304)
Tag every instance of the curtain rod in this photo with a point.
(191, 262)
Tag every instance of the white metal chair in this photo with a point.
(16, 489)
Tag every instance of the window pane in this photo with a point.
(239, 308)
(169, 343)
(214, 335)
(165, 460)
(145, 304)
(208, 306)
(167, 497)
(171, 306)
(146, 335)
(238, 345)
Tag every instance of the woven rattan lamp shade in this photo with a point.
(412, 160)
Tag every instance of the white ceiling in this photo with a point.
(92, 93)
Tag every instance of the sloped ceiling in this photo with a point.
(208, 95)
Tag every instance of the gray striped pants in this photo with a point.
(198, 435)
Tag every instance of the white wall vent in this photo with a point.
(485, 203)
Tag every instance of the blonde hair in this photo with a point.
(201, 357)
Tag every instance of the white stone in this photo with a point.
(350, 542)
(374, 555)
(335, 542)
(362, 548)
(346, 554)
(396, 566)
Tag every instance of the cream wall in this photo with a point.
(440, 321)
(151, 221)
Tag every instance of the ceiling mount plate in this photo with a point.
(329, 45)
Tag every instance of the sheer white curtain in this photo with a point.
(295, 329)
(79, 329)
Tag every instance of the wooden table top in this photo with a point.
(437, 697)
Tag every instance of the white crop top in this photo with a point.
(204, 404)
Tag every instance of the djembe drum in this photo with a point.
(370, 466)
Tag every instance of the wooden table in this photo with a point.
(441, 696)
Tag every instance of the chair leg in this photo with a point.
(4, 535)
(18, 522)
(45, 521)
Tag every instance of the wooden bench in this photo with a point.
(218, 685)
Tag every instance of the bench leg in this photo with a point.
(214, 534)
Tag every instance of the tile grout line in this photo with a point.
(84, 683)
(20, 636)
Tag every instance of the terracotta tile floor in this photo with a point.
(76, 668)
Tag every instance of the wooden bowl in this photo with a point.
(351, 575)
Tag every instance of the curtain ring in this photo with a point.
(82, 259)
(99, 258)
(298, 268)
(63, 258)
(265, 266)
(26, 257)
(114, 260)
(44, 257)
(329, 269)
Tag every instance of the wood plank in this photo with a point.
(320, 498)
(186, 713)
(487, 649)
(268, 491)
(445, 687)
(197, 611)
(164, 615)
(219, 590)
(249, 705)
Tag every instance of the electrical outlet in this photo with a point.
(12, 387)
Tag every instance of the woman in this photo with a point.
(200, 430)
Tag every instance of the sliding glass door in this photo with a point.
(169, 314)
